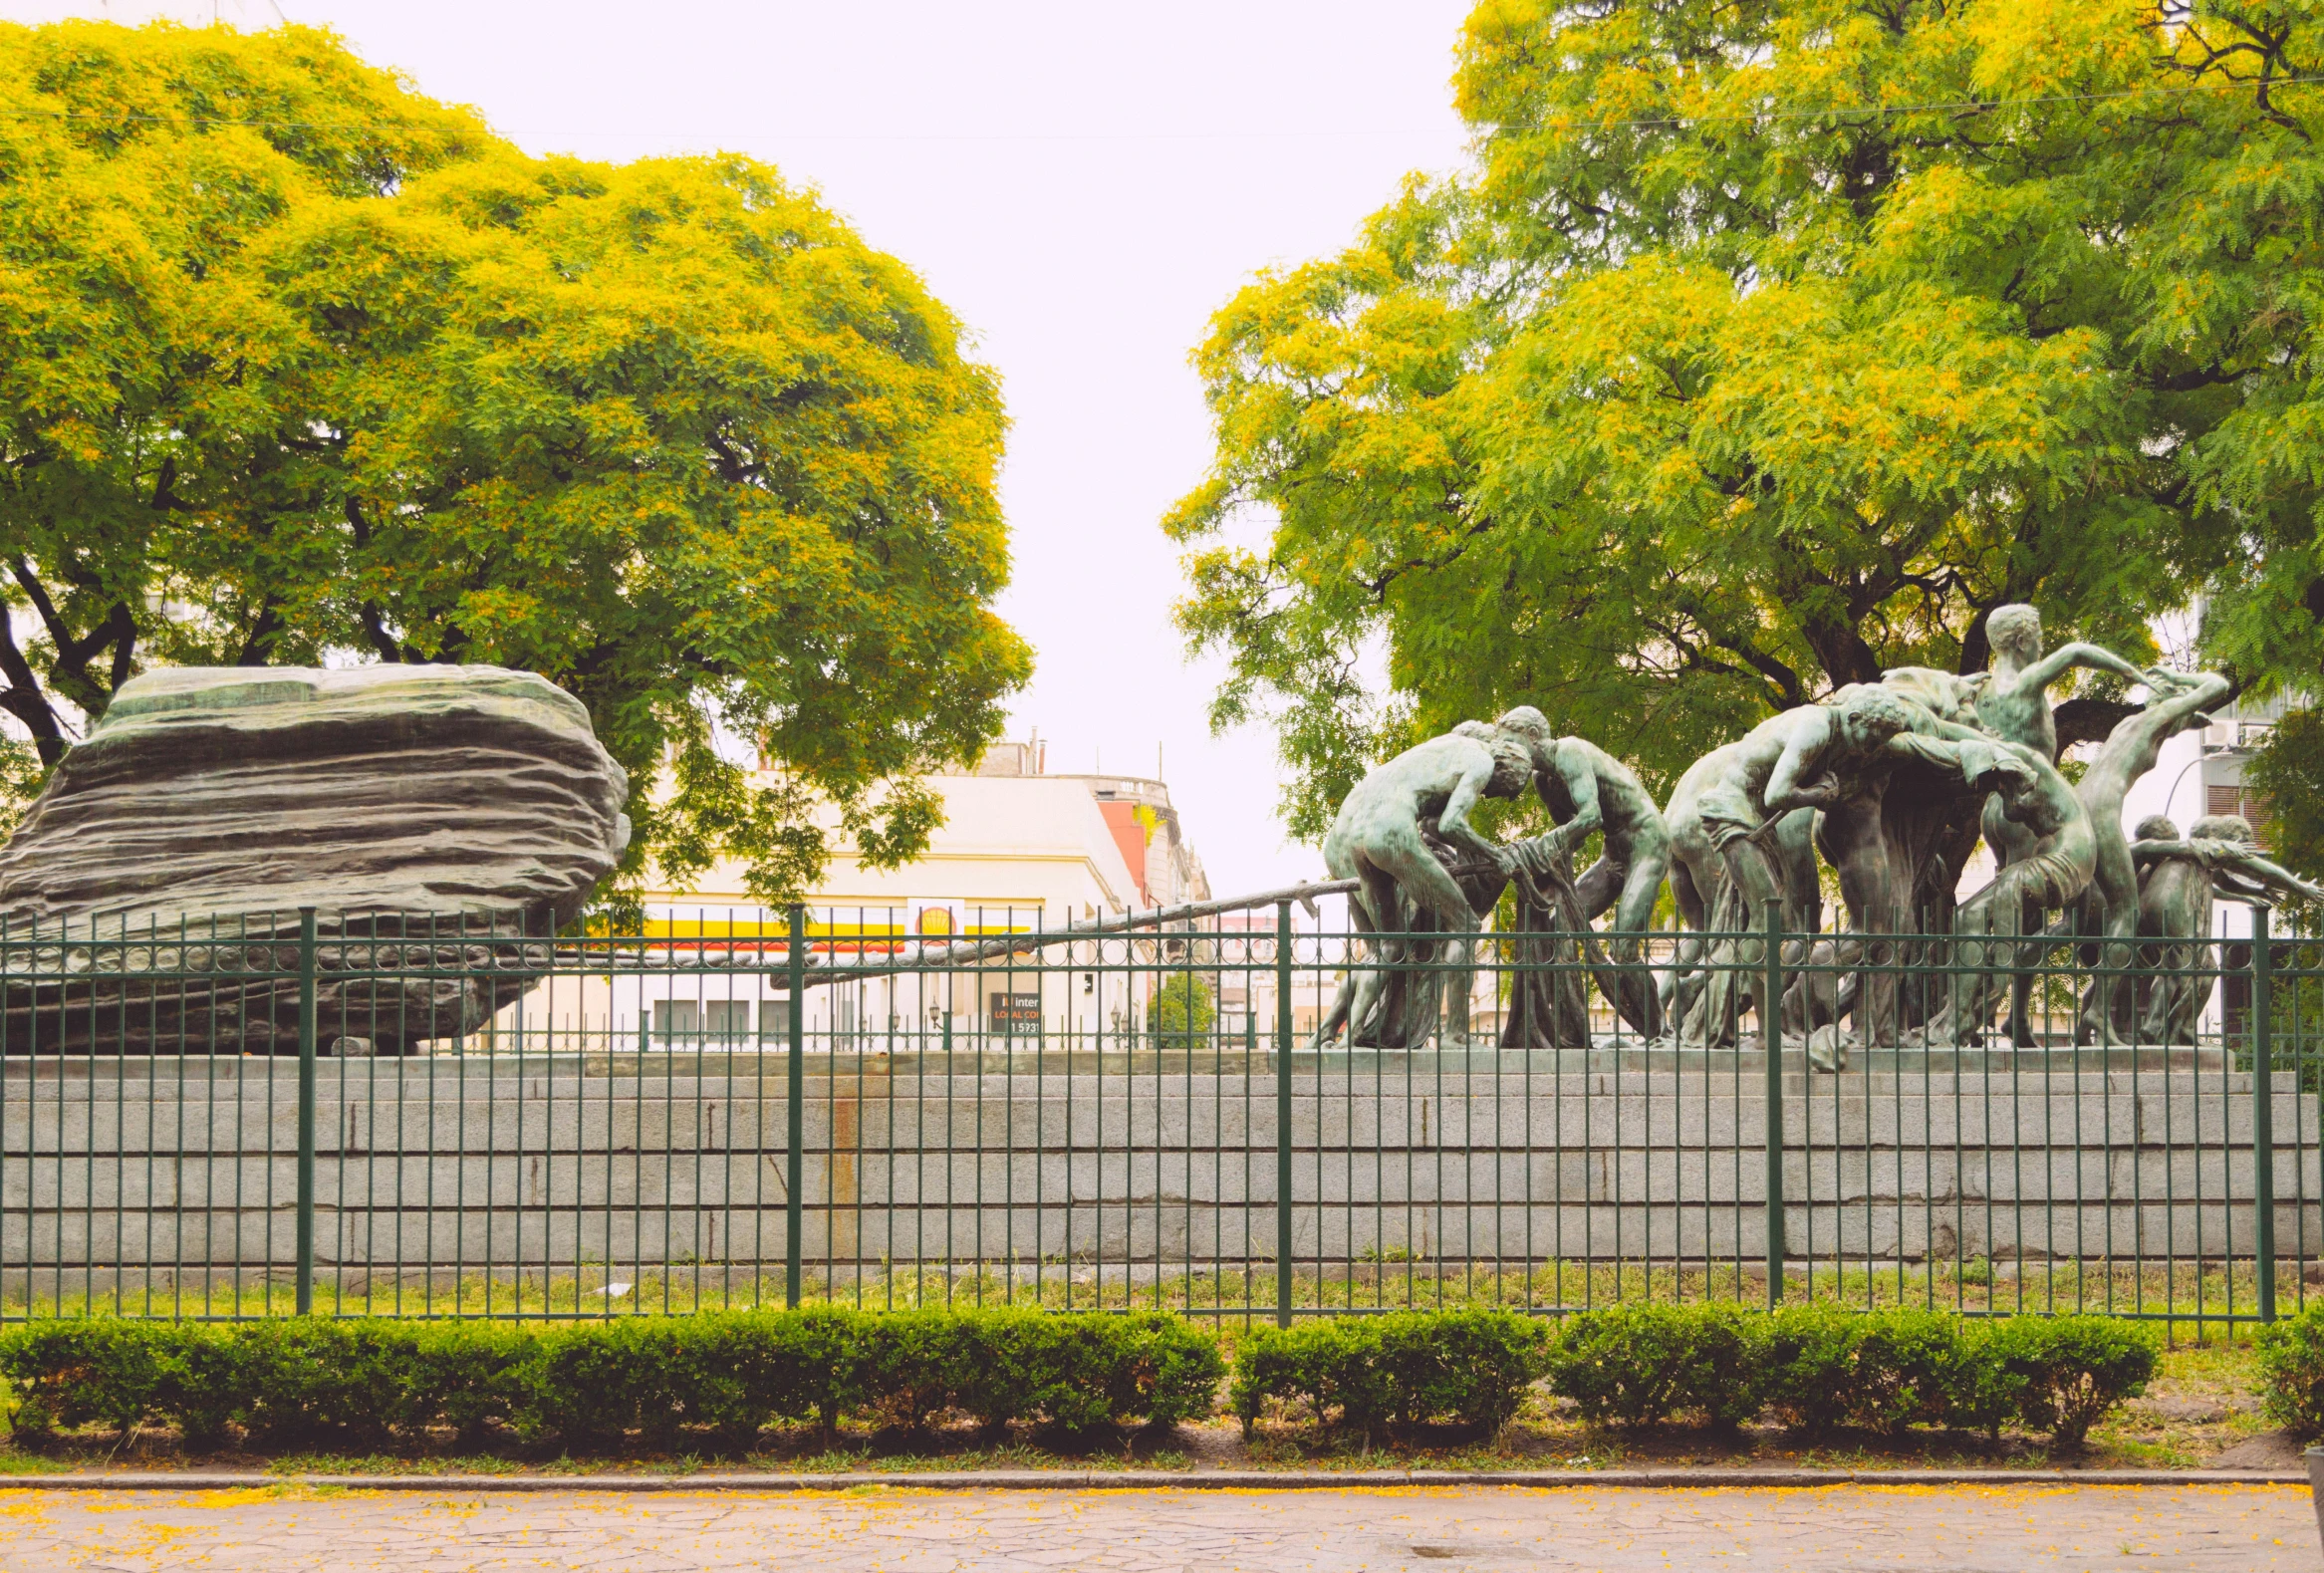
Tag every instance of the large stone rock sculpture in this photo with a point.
(423, 811)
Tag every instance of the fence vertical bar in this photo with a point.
(1771, 1040)
(1282, 1113)
(306, 1215)
(2262, 1116)
(795, 1113)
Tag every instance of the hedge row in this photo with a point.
(588, 1384)
(2291, 1369)
(1814, 1366)
(730, 1374)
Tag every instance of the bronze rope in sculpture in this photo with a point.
(1893, 785)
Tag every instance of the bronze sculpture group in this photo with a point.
(1892, 785)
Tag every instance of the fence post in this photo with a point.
(795, 1083)
(1282, 1113)
(2262, 1116)
(306, 1218)
(1771, 1039)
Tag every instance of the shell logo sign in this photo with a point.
(936, 919)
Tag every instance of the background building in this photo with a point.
(1020, 850)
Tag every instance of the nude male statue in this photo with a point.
(1377, 838)
(1734, 798)
(2225, 844)
(2011, 699)
(1854, 834)
(2180, 880)
(2174, 907)
(1586, 790)
(2014, 701)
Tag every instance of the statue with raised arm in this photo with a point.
(1378, 838)
(2225, 845)
(2110, 908)
(2013, 703)
(2178, 880)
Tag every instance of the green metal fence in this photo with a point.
(364, 1115)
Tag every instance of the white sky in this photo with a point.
(1082, 183)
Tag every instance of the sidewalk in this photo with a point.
(1961, 1529)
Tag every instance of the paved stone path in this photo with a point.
(1961, 1529)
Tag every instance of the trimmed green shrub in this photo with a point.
(69, 1373)
(1169, 1370)
(729, 1370)
(2073, 1369)
(1807, 1365)
(468, 1373)
(198, 1381)
(811, 1362)
(1985, 1394)
(1332, 1366)
(308, 1376)
(1472, 1367)
(1908, 1366)
(1361, 1373)
(912, 1365)
(2291, 1370)
(589, 1385)
(1062, 1371)
(1638, 1365)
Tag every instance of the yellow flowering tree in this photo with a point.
(302, 362)
(1767, 345)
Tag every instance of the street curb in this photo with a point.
(1146, 1480)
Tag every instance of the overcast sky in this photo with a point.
(1082, 183)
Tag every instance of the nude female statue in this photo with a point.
(2111, 905)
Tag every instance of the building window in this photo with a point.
(2239, 799)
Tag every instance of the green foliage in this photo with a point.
(1825, 1366)
(1470, 1366)
(306, 362)
(1329, 1366)
(1909, 1366)
(1361, 1373)
(1078, 1373)
(913, 1364)
(2288, 772)
(1767, 344)
(721, 1375)
(2291, 1370)
(72, 1373)
(1807, 1365)
(1181, 1010)
(1638, 1365)
(469, 1374)
(2070, 1370)
(309, 1378)
(712, 1380)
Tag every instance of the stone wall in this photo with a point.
(453, 1165)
